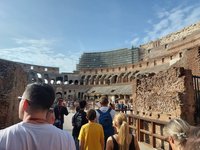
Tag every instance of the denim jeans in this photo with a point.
(76, 142)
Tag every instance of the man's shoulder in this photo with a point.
(85, 125)
(99, 126)
(11, 129)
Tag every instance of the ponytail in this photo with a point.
(123, 136)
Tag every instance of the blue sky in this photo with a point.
(56, 33)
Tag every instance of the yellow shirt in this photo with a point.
(91, 134)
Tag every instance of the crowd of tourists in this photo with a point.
(97, 129)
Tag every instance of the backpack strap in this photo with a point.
(109, 109)
(99, 111)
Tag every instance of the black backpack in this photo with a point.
(105, 120)
(77, 122)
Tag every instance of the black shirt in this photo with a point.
(78, 116)
(116, 145)
(60, 111)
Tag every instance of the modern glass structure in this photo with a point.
(108, 59)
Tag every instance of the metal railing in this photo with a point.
(196, 83)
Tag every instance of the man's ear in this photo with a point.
(25, 104)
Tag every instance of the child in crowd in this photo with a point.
(78, 120)
(91, 136)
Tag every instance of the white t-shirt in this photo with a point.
(104, 109)
(27, 136)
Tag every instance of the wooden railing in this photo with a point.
(149, 131)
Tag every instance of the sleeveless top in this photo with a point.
(116, 145)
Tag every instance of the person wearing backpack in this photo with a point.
(105, 115)
(78, 120)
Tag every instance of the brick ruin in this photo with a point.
(166, 95)
(13, 80)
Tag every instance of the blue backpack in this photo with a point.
(105, 120)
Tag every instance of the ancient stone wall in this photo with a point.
(165, 95)
(13, 80)
(173, 36)
(190, 60)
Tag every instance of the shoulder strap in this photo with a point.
(99, 111)
(109, 109)
(115, 144)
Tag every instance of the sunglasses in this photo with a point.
(19, 98)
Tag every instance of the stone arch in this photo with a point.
(65, 78)
(52, 81)
(97, 79)
(76, 82)
(82, 80)
(125, 78)
(132, 75)
(32, 76)
(66, 82)
(46, 81)
(102, 79)
(59, 80)
(107, 79)
(92, 79)
(120, 77)
(39, 75)
(114, 79)
(87, 79)
(71, 82)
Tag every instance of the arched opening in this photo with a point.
(46, 81)
(114, 79)
(82, 80)
(39, 75)
(87, 79)
(92, 79)
(76, 82)
(58, 82)
(71, 82)
(66, 82)
(59, 79)
(52, 81)
(97, 79)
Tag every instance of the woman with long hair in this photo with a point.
(122, 140)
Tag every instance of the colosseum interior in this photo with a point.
(159, 78)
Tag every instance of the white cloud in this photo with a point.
(39, 52)
(172, 21)
(163, 14)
